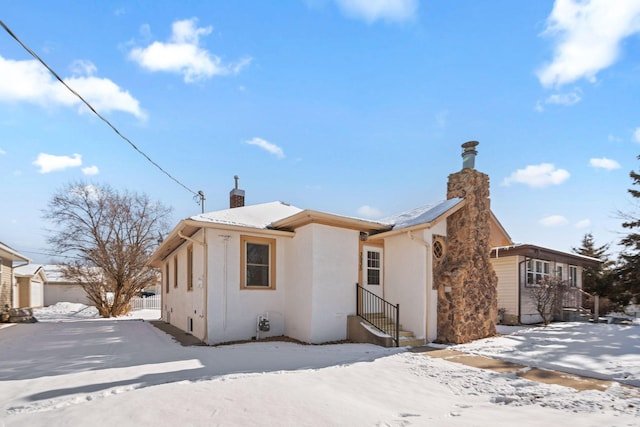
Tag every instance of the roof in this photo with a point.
(540, 252)
(418, 218)
(254, 216)
(7, 253)
(54, 274)
(308, 216)
(29, 270)
(422, 215)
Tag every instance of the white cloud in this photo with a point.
(367, 211)
(613, 138)
(541, 175)
(29, 81)
(373, 10)
(636, 135)
(587, 36)
(567, 99)
(2, 152)
(91, 170)
(50, 163)
(583, 223)
(182, 54)
(604, 163)
(267, 146)
(553, 221)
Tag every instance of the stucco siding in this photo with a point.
(183, 307)
(299, 277)
(233, 312)
(335, 261)
(405, 281)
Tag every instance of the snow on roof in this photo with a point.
(421, 215)
(27, 270)
(54, 274)
(255, 216)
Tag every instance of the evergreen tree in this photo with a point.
(595, 279)
(629, 269)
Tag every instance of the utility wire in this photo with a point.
(32, 53)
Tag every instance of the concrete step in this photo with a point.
(411, 341)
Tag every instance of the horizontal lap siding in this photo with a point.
(507, 271)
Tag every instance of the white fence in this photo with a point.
(141, 303)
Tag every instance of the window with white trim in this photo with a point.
(257, 263)
(374, 267)
(560, 271)
(573, 276)
(537, 270)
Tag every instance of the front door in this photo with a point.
(372, 269)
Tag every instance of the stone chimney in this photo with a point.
(236, 196)
(465, 279)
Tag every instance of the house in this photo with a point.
(9, 260)
(521, 267)
(58, 288)
(30, 280)
(274, 269)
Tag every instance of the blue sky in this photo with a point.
(356, 107)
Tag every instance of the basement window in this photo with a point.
(190, 268)
(257, 263)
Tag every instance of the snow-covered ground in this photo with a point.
(74, 369)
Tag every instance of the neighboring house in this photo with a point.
(59, 288)
(9, 260)
(273, 269)
(30, 279)
(521, 267)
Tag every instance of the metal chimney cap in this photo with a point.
(470, 145)
(469, 154)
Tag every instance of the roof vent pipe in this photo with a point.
(469, 154)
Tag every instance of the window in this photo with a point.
(373, 267)
(560, 272)
(372, 262)
(175, 271)
(190, 268)
(573, 276)
(536, 271)
(166, 276)
(257, 263)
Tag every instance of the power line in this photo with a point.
(197, 194)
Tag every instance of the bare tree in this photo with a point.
(547, 296)
(110, 236)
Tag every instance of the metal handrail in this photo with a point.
(378, 312)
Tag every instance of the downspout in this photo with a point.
(205, 280)
(428, 282)
(225, 281)
(520, 285)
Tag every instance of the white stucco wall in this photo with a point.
(233, 312)
(180, 304)
(409, 280)
(299, 278)
(335, 259)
